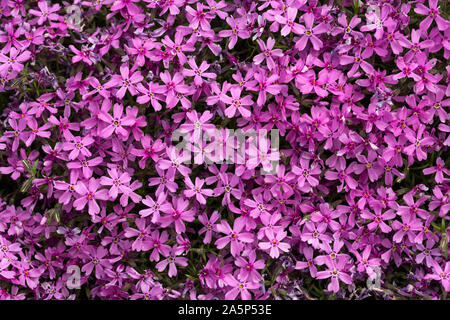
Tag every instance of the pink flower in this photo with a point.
(196, 190)
(177, 157)
(310, 33)
(172, 260)
(239, 287)
(233, 236)
(46, 13)
(156, 244)
(89, 193)
(208, 225)
(237, 31)
(116, 122)
(439, 169)
(78, 146)
(97, 261)
(85, 166)
(336, 271)
(268, 53)
(142, 232)
(15, 61)
(198, 72)
(126, 81)
(198, 18)
(237, 103)
(288, 22)
(152, 93)
(177, 213)
(442, 275)
(174, 86)
(118, 182)
(275, 245)
(155, 207)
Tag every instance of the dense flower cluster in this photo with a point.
(97, 200)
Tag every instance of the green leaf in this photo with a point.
(33, 170)
(26, 164)
(26, 185)
(444, 239)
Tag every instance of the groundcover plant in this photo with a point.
(203, 149)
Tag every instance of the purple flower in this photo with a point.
(126, 81)
(177, 213)
(440, 275)
(88, 193)
(239, 287)
(233, 236)
(310, 33)
(336, 271)
(275, 244)
(172, 260)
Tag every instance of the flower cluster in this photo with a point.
(98, 201)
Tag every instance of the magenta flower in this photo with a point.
(309, 263)
(199, 18)
(177, 157)
(116, 122)
(336, 271)
(141, 49)
(365, 263)
(27, 275)
(84, 166)
(268, 53)
(126, 81)
(174, 86)
(97, 261)
(378, 219)
(310, 33)
(439, 169)
(307, 175)
(45, 12)
(427, 253)
(249, 267)
(288, 22)
(233, 236)
(432, 14)
(343, 175)
(179, 46)
(84, 55)
(15, 61)
(208, 225)
(88, 193)
(197, 190)
(78, 146)
(118, 182)
(440, 275)
(275, 245)
(315, 235)
(172, 260)
(164, 181)
(156, 244)
(198, 72)
(154, 207)
(177, 213)
(151, 149)
(237, 103)
(418, 141)
(237, 31)
(152, 93)
(239, 287)
(408, 227)
(263, 84)
(128, 4)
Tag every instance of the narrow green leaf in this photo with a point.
(26, 185)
